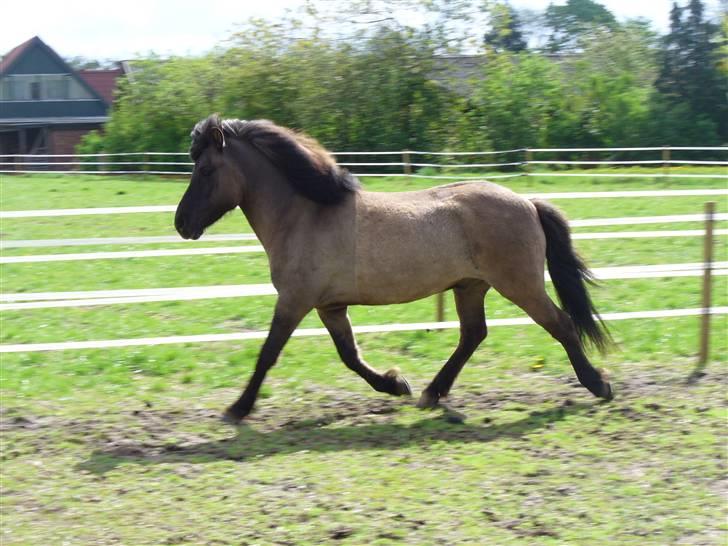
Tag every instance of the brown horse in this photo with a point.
(331, 244)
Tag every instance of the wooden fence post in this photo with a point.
(440, 312)
(528, 159)
(440, 308)
(407, 164)
(666, 160)
(707, 267)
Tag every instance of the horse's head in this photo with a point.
(215, 186)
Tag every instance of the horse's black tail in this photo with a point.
(570, 275)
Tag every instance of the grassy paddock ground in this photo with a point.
(123, 446)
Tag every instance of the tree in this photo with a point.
(575, 18)
(520, 101)
(723, 47)
(611, 83)
(82, 63)
(690, 68)
(632, 49)
(505, 33)
(156, 109)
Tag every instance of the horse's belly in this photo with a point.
(399, 276)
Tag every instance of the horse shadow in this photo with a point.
(309, 436)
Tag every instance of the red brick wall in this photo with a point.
(64, 141)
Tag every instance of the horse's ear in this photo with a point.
(218, 138)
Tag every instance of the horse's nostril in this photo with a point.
(179, 223)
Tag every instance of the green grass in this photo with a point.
(123, 446)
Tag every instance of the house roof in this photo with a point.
(103, 81)
(100, 83)
(14, 54)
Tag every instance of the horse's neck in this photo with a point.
(270, 204)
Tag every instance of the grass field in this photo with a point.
(124, 446)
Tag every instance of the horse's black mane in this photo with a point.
(307, 166)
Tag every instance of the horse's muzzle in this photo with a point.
(185, 230)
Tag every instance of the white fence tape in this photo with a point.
(411, 152)
(72, 257)
(110, 241)
(642, 162)
(83, 212)
(212, 291)
(227, 237)
(150, 163)
(627, 193)
(108, 255)
(646, 234)
(635, 220)
(308, 332)
(46, 300)
(558, 195)
(632, 175)
(409, 175)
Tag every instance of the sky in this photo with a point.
(133, 28)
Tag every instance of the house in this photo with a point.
(45, 106)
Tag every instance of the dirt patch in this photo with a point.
(337, 419)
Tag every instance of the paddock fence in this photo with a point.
(28, 301)
(405, 163)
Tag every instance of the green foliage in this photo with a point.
(519, 99)
(690, 75)
(611, 84)
(92, 143)
(384, 86)
(505, 33)
(678, 125)
(160, 102)
(570, 21)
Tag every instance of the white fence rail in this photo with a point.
(177, 163)
(227, 237)
(244, 249)
(47, 300)
(309, 332)
(559, 195)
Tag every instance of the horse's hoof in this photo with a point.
(428, 400)
(401, 385)
(607, 392)
(229, 418)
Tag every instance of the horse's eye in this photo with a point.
(206, 170)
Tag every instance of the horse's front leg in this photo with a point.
(286, 318)
(337, 323)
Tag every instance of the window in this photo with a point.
(34, 90)
(6, 89)
(27, 87)
(56, 87)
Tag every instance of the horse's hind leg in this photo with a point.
(559, 324)
(337, 323)
(469, 302)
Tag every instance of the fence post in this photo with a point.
(707, 285)
(666, 159)
(440, 311)
(407, 162)
(528, 159)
